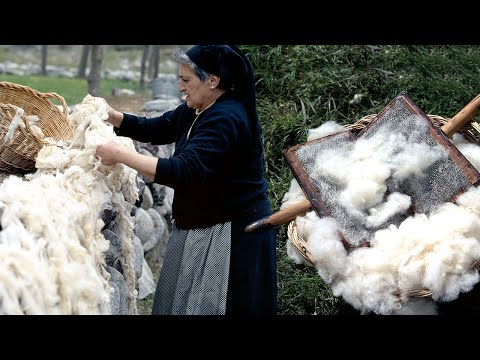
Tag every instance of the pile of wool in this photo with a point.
(51, 247)
(433, 251)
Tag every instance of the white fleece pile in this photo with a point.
(51, 247)
(434, 252)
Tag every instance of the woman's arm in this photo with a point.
(112, 153)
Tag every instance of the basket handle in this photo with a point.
(59, 98)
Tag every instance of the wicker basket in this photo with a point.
(470, 131)
(18, 155)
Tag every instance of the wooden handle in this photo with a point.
(280, 217)
(463, 117)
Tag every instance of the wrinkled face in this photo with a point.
(198, 94)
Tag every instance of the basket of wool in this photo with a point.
(405, 269)
(29, 120)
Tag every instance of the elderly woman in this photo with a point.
(211, 266)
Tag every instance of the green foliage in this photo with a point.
(145, 306)
(300, 87)
(72, 90)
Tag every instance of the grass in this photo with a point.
(144, 306)
(72, 90)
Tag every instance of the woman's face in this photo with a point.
(197, 93)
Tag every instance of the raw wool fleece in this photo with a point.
(434, 251)
(51, 247)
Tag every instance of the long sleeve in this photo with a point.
(158, 130)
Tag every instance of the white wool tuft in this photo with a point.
(51, 247)
(396, 203)
(293, 195)
(326, 249)
(16, 121)
(327, 128)
(470, 150)
(294, 254)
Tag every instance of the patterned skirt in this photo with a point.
(194, 276)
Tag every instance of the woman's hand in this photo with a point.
(110, 153)
(114, 117)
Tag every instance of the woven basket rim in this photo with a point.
(471, 130)
(37, 94)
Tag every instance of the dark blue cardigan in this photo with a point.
(218, 173)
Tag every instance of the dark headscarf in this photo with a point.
(234, 69)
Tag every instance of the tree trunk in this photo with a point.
(44, 60)
(154, 60)
(95, 70)
(82, 67)
(144, 66)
